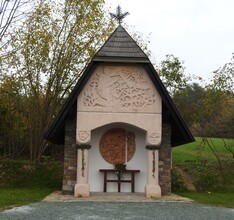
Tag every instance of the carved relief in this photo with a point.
(122, 87)
(113, 146)
(83, 136)
(153, 137)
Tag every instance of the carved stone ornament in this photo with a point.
(115, 144)
(83, 136)
(120, 89)
(153, 137)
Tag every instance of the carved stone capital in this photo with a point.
(83, 137)
(153, 138)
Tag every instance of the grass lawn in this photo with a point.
(22, 182)
(199, 162)
(11, 197)
(211, 198)
(196, 151)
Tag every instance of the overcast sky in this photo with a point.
(199, 32)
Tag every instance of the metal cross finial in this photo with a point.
(119, 16)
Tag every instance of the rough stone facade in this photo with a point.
(70, 157)
(165, 159)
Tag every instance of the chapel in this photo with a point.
(119, 125)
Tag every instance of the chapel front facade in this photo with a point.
(119, 113)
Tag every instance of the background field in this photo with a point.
(202, 176)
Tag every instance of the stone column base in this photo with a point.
(81, 190)
(153, 191)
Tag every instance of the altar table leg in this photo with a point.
(105, 178)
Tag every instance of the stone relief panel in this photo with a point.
(120, 89)
(117, 146)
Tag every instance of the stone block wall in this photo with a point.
(70, 157)
(165, 160)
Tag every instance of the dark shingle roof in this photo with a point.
(121, 47)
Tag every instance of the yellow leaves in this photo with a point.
(58, 40)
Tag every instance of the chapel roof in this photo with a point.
(121, 48)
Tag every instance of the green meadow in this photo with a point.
(209, 167)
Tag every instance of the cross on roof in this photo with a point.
(119, 16)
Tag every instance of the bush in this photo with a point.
(206, 178)
(177, 182)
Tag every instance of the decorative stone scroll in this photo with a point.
(120, 89)
(114, 145)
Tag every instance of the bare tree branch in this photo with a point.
(12, 12)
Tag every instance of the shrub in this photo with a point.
(206, 178)
(177, 182)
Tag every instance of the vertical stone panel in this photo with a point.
(165, 159)
(70, 157)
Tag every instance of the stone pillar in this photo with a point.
(83, 146)
(152, 189)
(82, 186)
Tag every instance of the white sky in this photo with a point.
(199, 32)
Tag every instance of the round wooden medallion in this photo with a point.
(115, 144)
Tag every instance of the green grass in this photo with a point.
(22, 182)
(197, 152)
(11, 197)
(22, 174)
(211, 198)
(200, 164)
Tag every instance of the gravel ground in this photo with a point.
(111, 210)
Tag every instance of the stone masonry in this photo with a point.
(165, 159)
(70, 157)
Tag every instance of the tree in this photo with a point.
(223, 83)
(56, 43)
(12, 119)
(189, 101)
(11, 12)
(171, 72)
(208, 112)
(223, 78)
